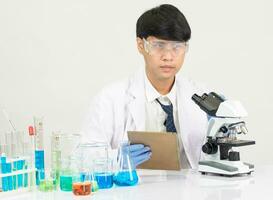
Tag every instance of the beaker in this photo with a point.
(126, 174)
(82, 184)
(67, 173)
(103, 171)
(64, 146)
(67, 144)
(91, 151)
(47, 180)
(85, 154)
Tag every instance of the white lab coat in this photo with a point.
(121, 107)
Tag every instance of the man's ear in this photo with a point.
(140, 45)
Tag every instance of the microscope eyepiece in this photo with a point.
(208, 102)
(197, 99)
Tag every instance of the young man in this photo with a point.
(155, 98)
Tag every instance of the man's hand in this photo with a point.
(139, 153)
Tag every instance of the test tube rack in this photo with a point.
(12, 184)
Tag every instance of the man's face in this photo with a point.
(163, 58)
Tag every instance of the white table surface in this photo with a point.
(186, 184)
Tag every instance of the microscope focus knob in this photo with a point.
(209, 148)
(233, 156)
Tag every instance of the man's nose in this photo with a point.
(167, 54)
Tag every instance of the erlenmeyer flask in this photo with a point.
(126, 174)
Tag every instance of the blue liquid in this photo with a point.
(126, 178)
(14, 178)
(14, 182)
(20, 165)
(5, 186)
(83, 176)
(10, 183)
(40, 175)
(39, 159)
(39, 164)
(25, 180)
(26, 177)
(104, 180)
(66, 183)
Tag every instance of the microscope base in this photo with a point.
(224, 167)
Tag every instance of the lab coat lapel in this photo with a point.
(136, 106)
(182, 111)
(184, 107)
(192, 121)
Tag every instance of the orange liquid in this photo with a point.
(81, 188)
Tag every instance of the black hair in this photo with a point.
(164, 22)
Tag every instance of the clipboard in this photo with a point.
(164, 146)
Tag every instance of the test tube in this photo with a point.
(14, 163)
(26, 155)
(31, 151)
(0, 173)
(20, 166)
(1, 151)
(4, 171)
(9, 178)
(26, 143)
(30, 160)
(3, 145)
(16, 144)
(8, 142)
(8, 166)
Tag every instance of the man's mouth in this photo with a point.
(167, 67)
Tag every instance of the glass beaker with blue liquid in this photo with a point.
(68, 172)
(103, 172)
(87, 154)
(67, 145)
(126, 174)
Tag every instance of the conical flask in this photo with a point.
(126, 174)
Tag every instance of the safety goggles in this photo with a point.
(160, 47)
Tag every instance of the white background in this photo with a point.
(56, 54)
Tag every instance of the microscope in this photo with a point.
(224, 125)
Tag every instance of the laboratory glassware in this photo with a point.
(126, 174)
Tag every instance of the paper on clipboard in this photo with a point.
(164, 146)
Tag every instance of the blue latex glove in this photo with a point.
(139, 153)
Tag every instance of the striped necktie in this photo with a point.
(169, 122)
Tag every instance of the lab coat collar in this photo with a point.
(152, 94)
(136, 105)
